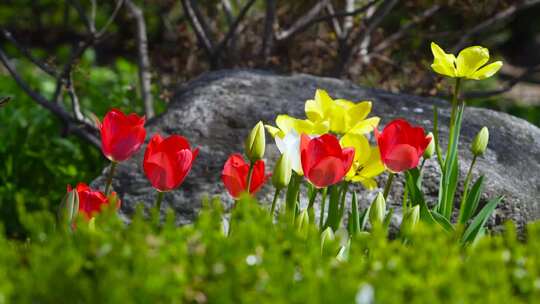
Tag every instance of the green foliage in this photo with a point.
(259, 262)
(37, 163)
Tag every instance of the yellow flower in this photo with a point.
(470, 63)
(286, 123)
(367, 162)
(342, 115)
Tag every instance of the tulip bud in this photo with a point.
(326, 236)
(302, 222)
(282, 172)
(428, 153)
(255, 143)
(69, 207)
(377, 210)
(480, 142)
(410, 219)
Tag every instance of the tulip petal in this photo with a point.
(443, 63)
(471, 59)
(365, 126)
(487, 71)
(402, 157)
(258, 177)
(317, 109)
(326, 172)
(360, 144)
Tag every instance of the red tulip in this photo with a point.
(168, 161)
(235, 175)
(121, 135)
(91, 201)
(401, 145)
(323, 160)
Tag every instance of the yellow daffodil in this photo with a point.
(343, 116)
(470, 63)
(367, 162)
(286, 123)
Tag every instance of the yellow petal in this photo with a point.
(487, 71)
(317, 109)
(285, 123)
(274, 131)
(471, 59)
(360, 144)
(368, 183)
(443, 63)
(374, 165)
(365, 126)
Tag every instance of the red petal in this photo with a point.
(326, 172)
(402, 157)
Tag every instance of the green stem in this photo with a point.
(312, 202)
(110, 178)
(466, 188)
(323, 204)
(250, 175)
(455, 105)
(436, 136)
(276, 194)
(158, 200)
(388, 184)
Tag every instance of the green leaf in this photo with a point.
(333, 220)
(475, 228)
(442, 221)
(388, 218)
(354, 217)
(364, 216)
(416, 195)
(470, 205)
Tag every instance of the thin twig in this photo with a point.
(503, 15)
(144, 61)
(302, 21)
(111, 19)
(335, 22)
(509, 85)
(198, 25)
(82, 14)
(232, 29)
(268, 34)
(405, 28)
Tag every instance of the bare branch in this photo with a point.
(315, 20)
(302, 21)
(82, 14)
(71, 124)
(405, 28)
(144, 61)
(227, 8)
(509, 85)
(111, 19)
(198, 25)
(335, 22)
(268, 34)
(42, 65)
(234, 26)
(349, 20)
(501, 16)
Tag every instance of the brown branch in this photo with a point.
(111, 19)
(199, 26)
(509, 85)
(42, 65)
(4, 100)
(501, 16)
(71, 124)
(405, 28)
(310, 22)
(268, 34)
(232, 29)
(144, 61)
(82, 14)
(302, 21)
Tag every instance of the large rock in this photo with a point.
(217, 110)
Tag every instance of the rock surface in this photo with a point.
(216, 111)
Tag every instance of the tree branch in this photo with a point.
(144, 61)
(199, 26)
(302, 21)
(405, 28)
(505, 14)
(268, 34)
(509, 85)
(232, 29)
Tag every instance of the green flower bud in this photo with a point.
(326, 236)
(282, 172)
(255, 143)
(428, 153)
(480, 142)
(69, 207)
(377, 210)
(302, 222)
(410, 219)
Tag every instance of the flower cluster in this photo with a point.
(166, 164)
(336, 145)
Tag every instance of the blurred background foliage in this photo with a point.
(39, 155)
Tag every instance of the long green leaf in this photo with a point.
(354, 217)
(471, 203)
(416, 195)
(333, 219)
(473, 230)
(450, 172)
(442, 221)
